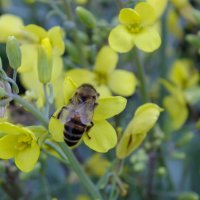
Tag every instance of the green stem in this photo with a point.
(36, 113)
(141, 75)
(59, 151)
(46, 100)
(68, 10)
(89, 186)
(15, 75)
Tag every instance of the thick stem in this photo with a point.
(141, 76)
(36, 113)
(89, 186)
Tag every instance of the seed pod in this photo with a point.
(13, 52)
(86, 17)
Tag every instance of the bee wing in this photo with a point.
(85, 111)
(65, 114)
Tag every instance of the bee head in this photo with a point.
(86, 92)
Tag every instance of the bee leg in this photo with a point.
(88, 129)
(95, 105)
(60, 112)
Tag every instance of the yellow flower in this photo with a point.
(144, 119)
(183, 74)
(52, 40)
(173, 20)
(105, 77)
(10, 25)
(19, 143)
(183, 77)
(93, 167)
(176, 105)
(135, 29)
(102, 136)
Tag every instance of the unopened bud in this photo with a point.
(193, 40)
(45, 62)
(86, 17)
(161, 171)
(13, 52)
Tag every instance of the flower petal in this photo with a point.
(57, 68)
(159, 6)
(101, 137)
(109, 107)
(10, 25)
(127, 84)
(103, 90)
(128, 144)
(69, 89)
(144, 119)
(8, 128)
(128, 16)
(177, 110)
(80, 76)
(29, 58)
(120, 39)
(56, 35)
(7, 146)
(106, 60)
(147, 40)
(56, 128)
(146, 12)
(25, 160)
(36, 33)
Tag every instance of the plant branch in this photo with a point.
(141, 75)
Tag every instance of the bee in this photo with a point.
(77, 115)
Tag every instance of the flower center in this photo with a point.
(23, 141)
(134, 28)
(101, 79)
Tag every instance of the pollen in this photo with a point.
(23, 141)
(134, 28)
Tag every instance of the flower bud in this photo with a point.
(45, 61)
(86, 17)
(13, 52)
(193, 40)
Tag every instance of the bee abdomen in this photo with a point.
(73, 133)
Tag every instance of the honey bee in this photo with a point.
(77, 115)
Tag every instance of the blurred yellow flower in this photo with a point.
(144, 119)
(93, 167)
(185, 9)
(159, 6)
(136, 29)
(10, 25)
(102, 136)
(53, 41)
(105, 77)
(19, 143)
(183, 76)
(173, 20)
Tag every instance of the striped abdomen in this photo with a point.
(73, 131)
